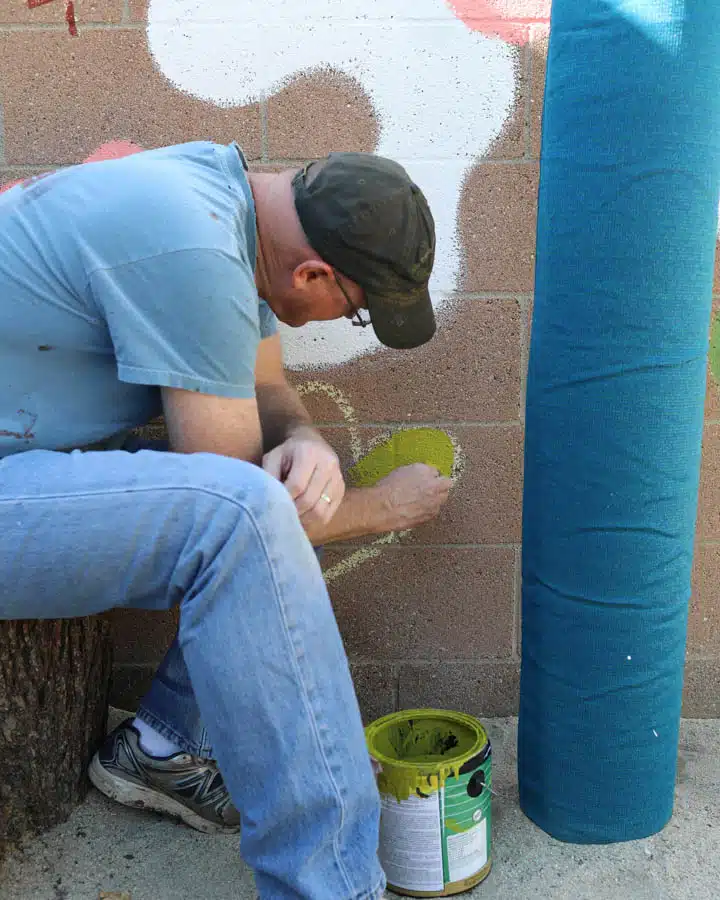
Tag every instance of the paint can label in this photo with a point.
(435, 838)
(429, 844)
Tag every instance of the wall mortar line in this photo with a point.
(63, 29)
(507, 424)
(426, 662)
(520, 161)
(419, 545)
(396, 687)
(520, 296)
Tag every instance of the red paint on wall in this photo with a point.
(111, 150)
(69, 13)
(70, 18)
(510, 20)
(6, 187)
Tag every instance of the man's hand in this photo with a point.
(410, 496)
(310, 470)
(407, 497)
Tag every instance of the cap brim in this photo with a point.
(402, 321)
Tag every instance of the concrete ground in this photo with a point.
(107, 848)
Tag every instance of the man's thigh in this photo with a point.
(84, 532)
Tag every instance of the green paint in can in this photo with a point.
(435, 782)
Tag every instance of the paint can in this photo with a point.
(434, 775)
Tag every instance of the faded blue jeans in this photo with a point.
(85, 532)
(170, 705)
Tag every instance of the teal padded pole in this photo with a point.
(627, 225)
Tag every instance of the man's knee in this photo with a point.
(239, 482)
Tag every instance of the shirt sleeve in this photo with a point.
(187, 319)
(268, 321)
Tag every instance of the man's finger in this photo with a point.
(315, 487)
(335, 490)
(300, 476)
(323, 503)
(322, 512)
(273, 463)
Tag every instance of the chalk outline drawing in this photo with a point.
(418, 61)
(374, 548)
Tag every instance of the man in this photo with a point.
(151, 284)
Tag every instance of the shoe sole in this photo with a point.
(141, 797)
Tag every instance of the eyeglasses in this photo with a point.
(353, 311)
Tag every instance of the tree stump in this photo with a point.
(54, 681)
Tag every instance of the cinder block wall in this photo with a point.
(454, 90)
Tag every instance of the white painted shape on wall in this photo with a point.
(441, 93)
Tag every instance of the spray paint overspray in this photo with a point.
(438, 112)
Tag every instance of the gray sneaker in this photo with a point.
(183, 786)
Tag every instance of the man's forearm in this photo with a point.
(362, 512)
(407, 497)
(282, 412)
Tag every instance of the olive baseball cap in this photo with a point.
(366, 218)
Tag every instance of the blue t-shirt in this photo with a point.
(118, 278)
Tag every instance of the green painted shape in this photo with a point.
(715, 347)
(410, 445)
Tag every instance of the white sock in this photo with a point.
(154, 743)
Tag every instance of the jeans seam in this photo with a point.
(308, 704)
(151, 719)
(144, 490)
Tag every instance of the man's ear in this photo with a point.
(308, 273)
